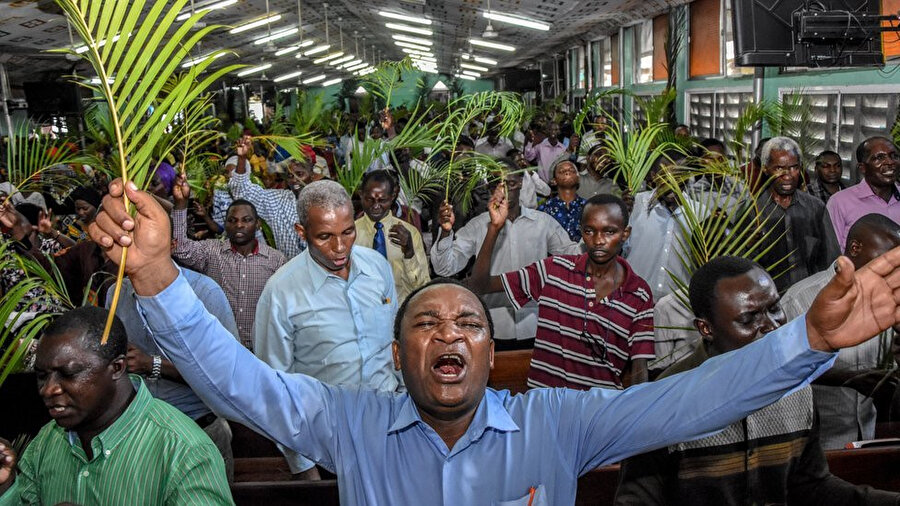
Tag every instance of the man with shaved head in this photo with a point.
(462, 442)
(844, 393)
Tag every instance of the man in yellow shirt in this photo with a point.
(394, 238)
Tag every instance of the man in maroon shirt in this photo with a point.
(595, 315)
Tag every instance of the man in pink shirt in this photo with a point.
(546, 152)
(878, 192)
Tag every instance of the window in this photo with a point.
(643, 51)
(840, 119)
(728, 44)
(660, 34)
(704, 48)
(581, 76)
(606, 78)
(890, 40)
(596, 63)
(715, 113)
(614, 52)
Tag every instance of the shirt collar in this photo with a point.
(257, 250)
(317, 274)
(490, 414)
(866, 191)
(631, 283)
(122, 426)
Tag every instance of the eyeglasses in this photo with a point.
(880, 158)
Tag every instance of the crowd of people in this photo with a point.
(357, 331)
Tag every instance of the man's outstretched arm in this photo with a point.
(206, 355)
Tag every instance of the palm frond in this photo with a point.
(135, 47)
(633, 155)
(592, 106)
(384, 79)
(362, 156)
(30, 156)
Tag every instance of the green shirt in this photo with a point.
(151, 455)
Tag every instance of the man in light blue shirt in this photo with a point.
(327, 313)
(460, 442)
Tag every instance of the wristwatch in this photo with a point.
(156, 368)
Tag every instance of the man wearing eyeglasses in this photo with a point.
(595, 315)
(877, 160)
(527, 237)
(804, 243)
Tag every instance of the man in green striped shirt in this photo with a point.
(111, 443)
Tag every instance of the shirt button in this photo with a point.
(240, 310)
(86, 474)
(588, 278)
(108, 452)
(243, 275)
(590, 304)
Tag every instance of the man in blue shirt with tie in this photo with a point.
(327, 313)
(458, 441)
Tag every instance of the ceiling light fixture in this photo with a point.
(328, 57)
(356, 67)
(213, 6)
(411, 46)
(285, 77)
(489, 32)
(410, 29)
(417, 52)
(515, 20)
(353, 63)
(486, 61)
(412, 40)
(332, 81)
(201, 59)
(491, 45)
(471, 73)
(316, 50)
(343, 59)
(254, 24)
(405, 17)
(314, 79)
(276, 35)
(253, 70)
(467, 78)
(473, 67)
(288, 50)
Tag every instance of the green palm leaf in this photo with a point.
(136, 47)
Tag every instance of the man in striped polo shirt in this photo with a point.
(595, 315)
(111, 442)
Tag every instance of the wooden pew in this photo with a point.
(262, 480)
(510, 371)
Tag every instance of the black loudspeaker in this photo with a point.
(52, 98)
(802, 33)
(522, 81)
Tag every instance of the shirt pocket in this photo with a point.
(540, 499)
(378, 318)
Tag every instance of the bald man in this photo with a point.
(843, 394)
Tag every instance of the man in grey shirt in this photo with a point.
(843, 394)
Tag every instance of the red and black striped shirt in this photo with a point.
(582, 342)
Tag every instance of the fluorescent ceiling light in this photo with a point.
(430, 70)
(423, 58)
(200, 59)
(253, 24)
(410, 29)
(412, 40)
(404, 17)
(416, 52)
(276, 35)
(351, 63)
(83, 49)
(285, 77)
(329, 57)
(354, 68)
(486, 61)
(473, 67)
(253, 70)
(96, 80)
(206, 8)
(471, 73)
(492, 45)
(515, 20)
(332, 81)
(314, 79)
(316, 50)
(288, 50)
(467, 78)
(362, 72)
(411, 46)
(342, 59)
